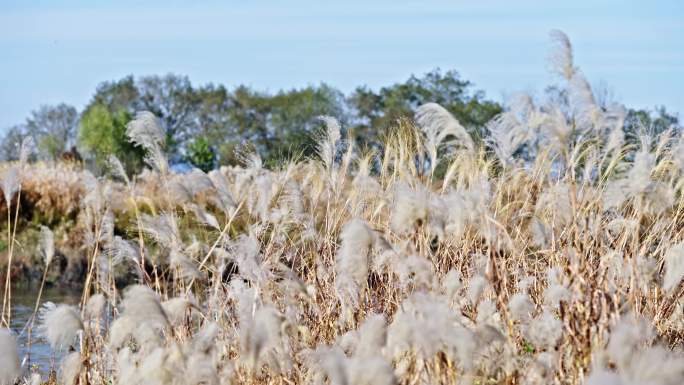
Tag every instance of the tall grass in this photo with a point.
(551, 253)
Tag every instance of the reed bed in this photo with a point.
(550, 253)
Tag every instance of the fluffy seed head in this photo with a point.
(674, 267)
(70, 369)
(60, 324)
(47, 245)
(9, 358)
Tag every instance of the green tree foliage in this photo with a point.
(173, 100)
(377, 111)
(292, 121)
(279, 126)
(206, 124)
(117, 95)
(103, 133)
(201, 154)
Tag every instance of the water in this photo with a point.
(23, 302)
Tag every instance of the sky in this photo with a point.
(59, 51)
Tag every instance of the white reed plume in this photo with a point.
(452, 283)
(246, 252)
(119, 250)
(616, 134)
(545, 331)
(177, 191)
(640, 173)
(260, 335)
(145, 130)
(631, 335)
(341, 370)
(369, 339)
(587, 113)
(600, 376)
(370, 370)
(249, 158)
(487, 313)
(656, 365)
(476, 288)
(556, 203)
(331, 361)
(186, 266)
(200, 370)
(426, 325)
(60, 324)
(521, 307)
(163, 229)
(95, 306)
(363, 182)
(557, 291)
(203, 216)
(638, 183)
(352, 263)
(117, 168)
(438, 124)
(177, 308)
(121, 330)
(562, 57)
(127, 367)
(674, 267)
(205, 339)
(197, 182)
(142, 305)
(512, 129)
(224, 196)
(411, 208)
(327, 145)
(10, 368)
(414, 271)
(47, 245)
(10, 184)
(156, 368)
(542, 233)
(35, 379)
(70, 369)
(245, 300)
(264, 189)
(506, 137)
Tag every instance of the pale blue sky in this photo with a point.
(54, 51)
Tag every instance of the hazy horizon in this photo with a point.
(60, 52)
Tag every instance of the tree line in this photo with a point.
(205, 124)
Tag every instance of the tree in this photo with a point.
(652, 122)
(247, 121)
(103, 133)
(11, 143)
(201, 154)
(54, 129)
(117, 95)
(172, 99)
(293, 120)
(280, 126)
(375, 112)
(211, 117)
